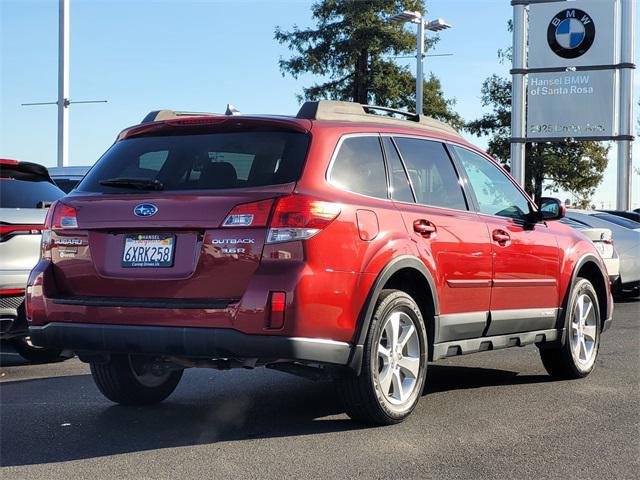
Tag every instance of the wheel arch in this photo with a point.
(588, 266)
(406, 273)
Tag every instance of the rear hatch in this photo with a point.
(26, 191)
(153, 216)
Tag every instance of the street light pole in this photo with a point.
(63, 83)
(434, 26)
(420, 68)
(63, 101)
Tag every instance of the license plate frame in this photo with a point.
(148, 258)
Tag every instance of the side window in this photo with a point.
(400, 188)
(495, 192)
(359, 167)
(435, 181)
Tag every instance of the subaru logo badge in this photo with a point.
(145, 210)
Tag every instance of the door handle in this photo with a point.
(501, 236)
(424, 228)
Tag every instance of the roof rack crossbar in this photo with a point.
(355, 112)
(414, 117)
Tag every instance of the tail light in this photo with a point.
(59, 217)
(254, 214)
(298, 217)
(295, 217)
(64, 217)
(11, 291)
(7, 231)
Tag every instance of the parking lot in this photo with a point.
(488, 415)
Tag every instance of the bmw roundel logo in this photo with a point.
(571, 33)
(145, 210)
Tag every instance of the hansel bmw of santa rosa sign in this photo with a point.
(572, 34)
(568, 103)
(571, 104)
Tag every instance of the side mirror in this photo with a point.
(552, 209)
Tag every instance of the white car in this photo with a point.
(602, 239)
(627, 243)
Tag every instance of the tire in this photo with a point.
(33, 353)
(126, 380)
(577, 357)
(390, 383)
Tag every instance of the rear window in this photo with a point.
(202, 162)
(25, 194)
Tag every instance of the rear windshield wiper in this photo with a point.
(138, 183)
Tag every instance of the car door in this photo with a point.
(525, 291)
(451, 239)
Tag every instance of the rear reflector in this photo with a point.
(276, 313)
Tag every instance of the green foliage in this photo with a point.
(577, 167)
(350, 48)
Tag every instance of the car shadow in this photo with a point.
(65, 418)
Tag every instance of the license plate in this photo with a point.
(151, 251)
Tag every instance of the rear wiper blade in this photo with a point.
(139, 183)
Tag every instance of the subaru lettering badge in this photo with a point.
(145, 210)
(571, 33)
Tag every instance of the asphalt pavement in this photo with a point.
(488, 415)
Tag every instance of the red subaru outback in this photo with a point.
(337, 242)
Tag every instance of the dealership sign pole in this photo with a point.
(573, 62)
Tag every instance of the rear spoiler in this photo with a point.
(159, 115)
(28, 171)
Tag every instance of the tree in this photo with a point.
(350, 48)
(577, 167)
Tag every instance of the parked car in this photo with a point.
(337, 242)
(627, 242)
(602, 238)
(26, 191)
(635, 216)
(67, 177)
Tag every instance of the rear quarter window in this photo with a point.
(359, 167)
(211, 161)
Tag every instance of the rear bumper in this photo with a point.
(187, 342)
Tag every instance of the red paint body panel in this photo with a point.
(326, 278)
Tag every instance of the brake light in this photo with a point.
(298, 217)
(59, 217)
(64, 217)
(8, 231)
(254, 214)
(11, 291)
(295, 217)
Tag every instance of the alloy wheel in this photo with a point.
(398, 358)
(583, 331)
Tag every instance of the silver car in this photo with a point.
(627, 244)
(26, 191)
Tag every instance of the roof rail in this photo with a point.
(356, 112)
